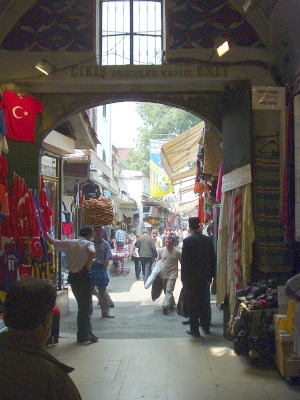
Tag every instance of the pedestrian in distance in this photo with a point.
(157, 239)
(134, 255)
(147, 252)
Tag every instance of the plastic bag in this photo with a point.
(181, 304)
(155, 271)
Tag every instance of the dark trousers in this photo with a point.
(198, 299)
(82, 289)
(146, 267)
(137, 266)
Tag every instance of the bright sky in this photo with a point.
(125, 122)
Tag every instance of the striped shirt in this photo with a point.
(120, 236)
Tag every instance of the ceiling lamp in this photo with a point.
(247, 5)
(251, 4)
(221, 45)
(45, 67)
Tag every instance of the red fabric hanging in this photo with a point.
(19, 115)
(200, 209)
(45, 209)
(237, 237)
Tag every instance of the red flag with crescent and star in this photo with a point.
(17, 209)
(19, 115)
(35, 229)
(45, 209)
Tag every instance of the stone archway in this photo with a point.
(58, 107)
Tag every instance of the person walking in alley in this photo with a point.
(147, 252)
(99, 270)
(119, 236)
(169, 272)
(197, 270)
(80, 253)
(157, 239)
(134, 255)
(27, 370)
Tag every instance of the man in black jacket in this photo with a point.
(197, 269)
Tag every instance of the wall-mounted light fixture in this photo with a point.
(246, 5)
(45, 67)
(221, 45)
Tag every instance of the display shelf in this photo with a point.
(286, 361)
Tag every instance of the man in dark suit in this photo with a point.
(197, 269)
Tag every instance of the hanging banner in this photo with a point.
(160, 183)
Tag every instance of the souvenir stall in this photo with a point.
(25, 212)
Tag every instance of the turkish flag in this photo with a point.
(45, 209)
(39, 214)
(36, 247)
(5, 227)
(25, 210)
(35, 228)
(17, 208)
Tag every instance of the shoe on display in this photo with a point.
(195, 334)
(165, 310)
(108, 316)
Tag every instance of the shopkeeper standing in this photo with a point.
(80, 254)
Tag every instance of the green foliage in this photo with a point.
(160, 123)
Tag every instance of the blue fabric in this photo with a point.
(100, 277)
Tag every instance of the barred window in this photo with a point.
(131, 32)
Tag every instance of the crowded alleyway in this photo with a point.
(143, 354)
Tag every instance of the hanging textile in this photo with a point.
(19, 114)
(219, 184)
(216, 216)
(201, 209)
(46, 212)
(35, 229)
(237, 237)
(222, 250)
(248, 235)
(17, 209)
(39, 214)
(288, 200)
(230, 252)
(273, 255)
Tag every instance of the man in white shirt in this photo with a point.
(80, 253)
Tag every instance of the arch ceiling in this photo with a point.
(268, 31)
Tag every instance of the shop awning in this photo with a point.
(186, 206)
(182, 150)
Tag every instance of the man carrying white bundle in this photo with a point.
(170, 256)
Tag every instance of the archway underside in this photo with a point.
(58, 107)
